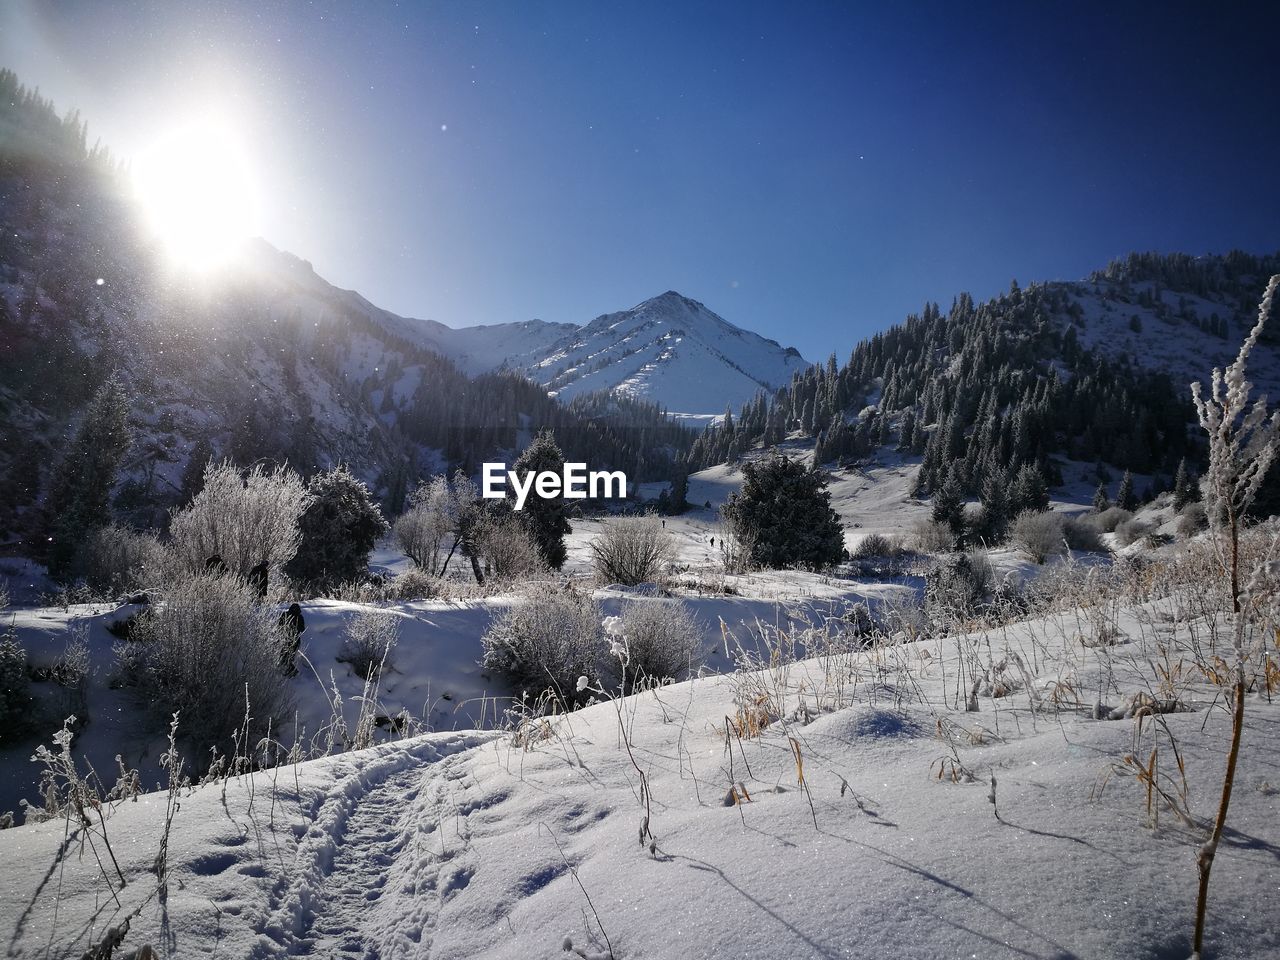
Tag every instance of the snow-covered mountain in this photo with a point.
(480, 349)
(668, 349)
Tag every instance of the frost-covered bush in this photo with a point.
(876, 545)
(509, 550)
(432, 515)
(244, 517)
(371, 634)
(201, 651)
(930, 536)
(1040, 534)
(956, 588)
(15, 699)
(1109, 519)
(632, 550)
(1191, 520)
(1081, 533)
(546, 642)
(338, 530)
(1131, 531)
(114, 559)
(411, 585)
(662, 642)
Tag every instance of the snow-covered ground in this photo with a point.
(858, 823)
(433, 674)
(851, 817)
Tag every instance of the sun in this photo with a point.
(198, 193)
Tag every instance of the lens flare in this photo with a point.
(198, 193)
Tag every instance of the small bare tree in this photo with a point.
(1243, 441)
(243, 517)
(632, 550)
(443, 518)
(421, 529)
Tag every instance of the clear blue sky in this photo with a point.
(810, 171)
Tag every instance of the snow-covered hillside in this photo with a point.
(870, 808)
(1171, 330)
(670, 350)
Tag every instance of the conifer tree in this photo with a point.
(339, 529)
(1184, 491)
(1101, 501)
(1028, 491)
(948, 505)
(544, 517)
(995, 505)
(680, 490)
(81, 489)
(783, 515)
(1126, 499)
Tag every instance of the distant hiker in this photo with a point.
(713, 543)
(292, 626)
(258, 579)
(216, 565)
(664, 524)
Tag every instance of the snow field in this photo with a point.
(467, 844)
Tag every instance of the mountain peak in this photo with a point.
(670, 349)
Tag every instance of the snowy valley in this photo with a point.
(964, 643)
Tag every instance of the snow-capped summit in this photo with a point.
(669, 349)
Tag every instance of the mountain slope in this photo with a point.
(1094, 371)
(260, 359)
(488, 347)
(668, 349)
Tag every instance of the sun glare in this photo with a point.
(197, 190)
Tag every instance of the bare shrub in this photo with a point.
(1040, 534)
(1131, 531)
(508, 548)
(412, 585)
(956, 588)
(546, 642)
(243, 517)
(662, 640)
(1081, 533)
(930, 536)
(114, 560)
(1109, 519)
(371, 634)
(876, 545)
(1191, 520)
(422, 528)
(203, 651)
(736, 549)
(71, 671)
(632, 550)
